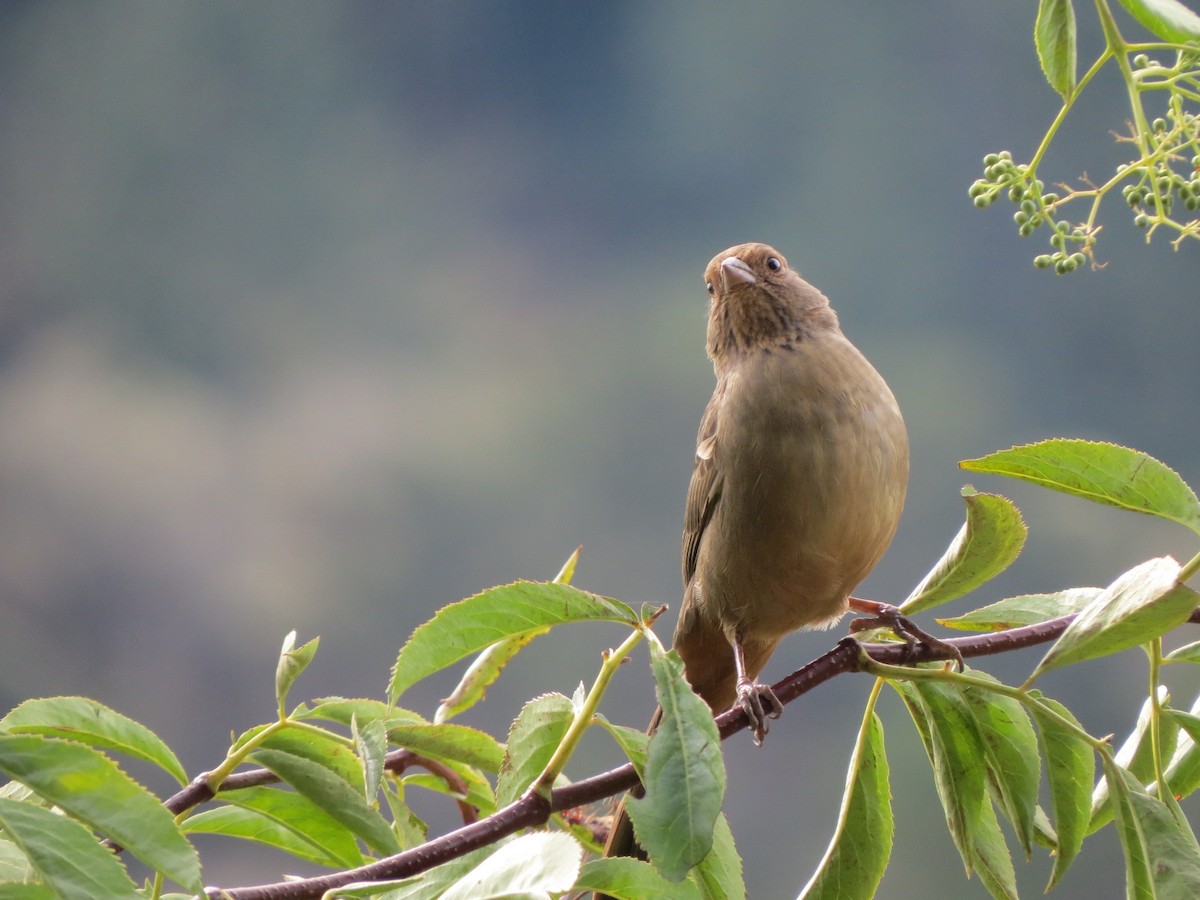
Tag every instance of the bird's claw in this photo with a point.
(759, 703)
(885, 615)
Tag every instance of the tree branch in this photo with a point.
(534, 809)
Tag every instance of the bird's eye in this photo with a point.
(708, 285)
(774, 264)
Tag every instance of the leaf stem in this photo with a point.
(586, 711)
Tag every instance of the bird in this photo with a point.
(797, 487)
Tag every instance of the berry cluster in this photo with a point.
(1035, 208)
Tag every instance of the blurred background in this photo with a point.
(321, 316)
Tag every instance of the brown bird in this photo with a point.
(800, 475)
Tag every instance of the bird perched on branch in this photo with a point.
(800, 475)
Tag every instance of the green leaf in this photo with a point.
(631, 879)
(91, 787)
(482, 673)
(1028, 609)
(488, 665)
(1189, 653)
(532, 740)
(304, 818)
(533, 864)
(249, 825)
(1136, 756)
(1070, 770)
(1183, 771)
(861, 845)
(1104, 473)
(985, 546)
(685, 774)
(326, 750)
(65, 854)
(343, 710)
(333, 794)
(370, 745)
(954, 744)
(1142, 604)
(292, 661)
(498, 614)
(633, 742)
(719, 874)
(451, 742)
(80, 719)
(1162, 858)
(1054, 35)
(1169, 20)
(429, 885)
(1014, 767)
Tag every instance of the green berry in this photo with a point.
(991, 159)
(1020, 217)
(1141, 61)
(1028, 206)
(1016, 193)
(1079, 259)
(1025, 230)
(1141, 220)
(983, 201)
(1042, 262)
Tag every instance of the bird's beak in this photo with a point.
(736, 271)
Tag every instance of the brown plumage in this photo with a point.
(799, 481)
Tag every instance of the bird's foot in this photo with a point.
(760, 704)
(885, 615)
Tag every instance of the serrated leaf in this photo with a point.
(429, 885)
(861, 845)
(498, 614)
(333, 794)
(451, 742)
(326, 750)
(633, 742)
(1103, 473)
(685, 774)
(67, 857)
(1142, 604)
(1014, 768)
(1070, 770)
(90, 786)
(535, 735)
(1136, 756)
(533, 864)
(482, 673)
(719, 875)
(370, 745)
(988, 542)
(1162, 859)
(1054, 36)
(247, 825)
(1169, 20)
(631, 879)
(1183, 771)
(1028, 609)
(488, 665)
(292, 661)
(953, 742)
(84, 720)
(298, 814)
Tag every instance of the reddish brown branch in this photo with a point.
(534, 810)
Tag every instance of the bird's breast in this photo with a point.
(813, 457)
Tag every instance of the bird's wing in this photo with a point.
(704, 492)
